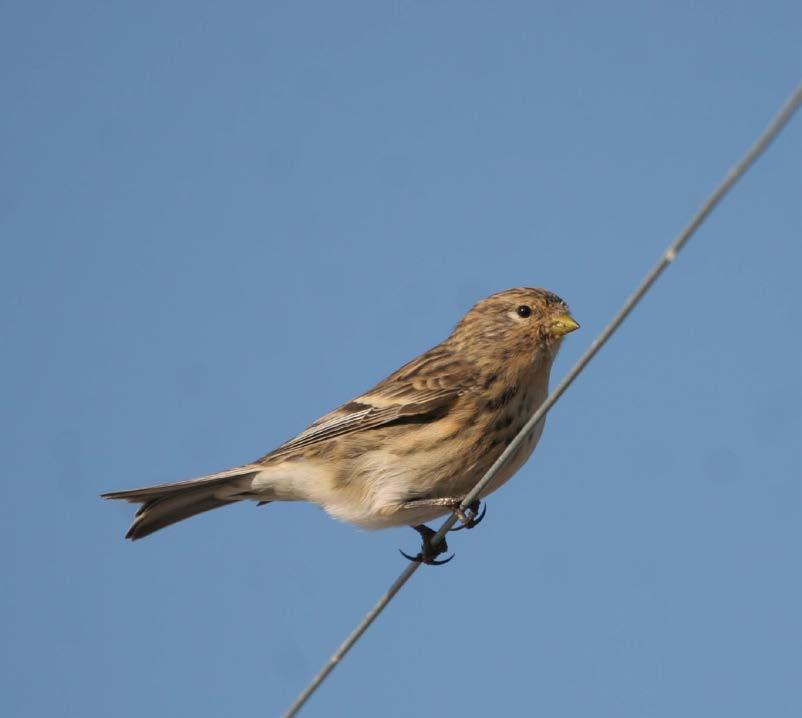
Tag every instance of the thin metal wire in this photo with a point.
(765, 139)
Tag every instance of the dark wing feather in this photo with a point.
(423, 388)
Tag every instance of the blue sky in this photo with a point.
(219, 221)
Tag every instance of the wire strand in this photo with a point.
(769, 134)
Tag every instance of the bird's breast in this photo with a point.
(505, 426)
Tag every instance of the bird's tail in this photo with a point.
(166, 504)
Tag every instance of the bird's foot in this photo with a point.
(471, 517)
(429, 551)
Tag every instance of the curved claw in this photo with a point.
(473, 522)
(430, 562)
(434, 562)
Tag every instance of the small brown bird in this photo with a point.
(411, 448)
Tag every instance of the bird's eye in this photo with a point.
(524, 311)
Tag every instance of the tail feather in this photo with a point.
(167, 504)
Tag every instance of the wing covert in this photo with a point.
(425, 387)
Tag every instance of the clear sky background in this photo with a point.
(220, 220)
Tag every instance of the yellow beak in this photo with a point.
(563, 324)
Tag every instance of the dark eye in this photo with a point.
(524, 311)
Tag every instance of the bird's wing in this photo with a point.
(420, 391)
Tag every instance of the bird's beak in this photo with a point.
(562, 324)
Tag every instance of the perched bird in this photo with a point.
(411, 448)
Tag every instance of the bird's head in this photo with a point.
(517, 322)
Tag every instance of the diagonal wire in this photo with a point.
(769, 134)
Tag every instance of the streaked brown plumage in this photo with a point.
(409, 449)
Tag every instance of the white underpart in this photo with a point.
(290, 481)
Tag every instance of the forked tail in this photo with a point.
(166, 504)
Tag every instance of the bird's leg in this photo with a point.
(469, 518)
(429, 551)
